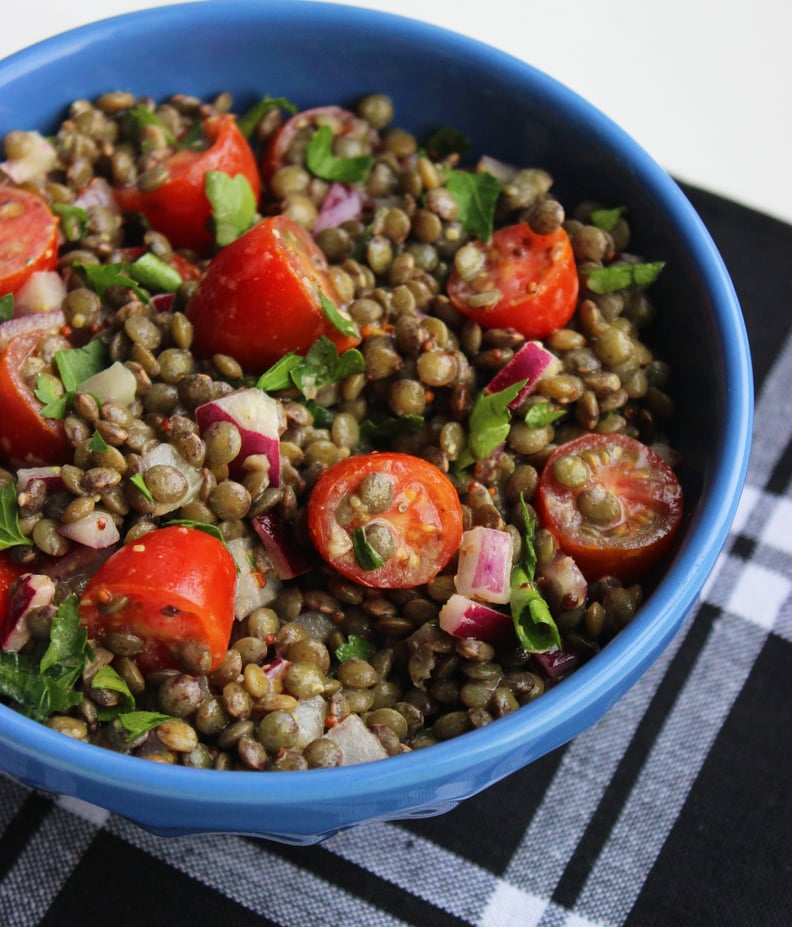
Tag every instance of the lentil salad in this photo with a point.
(303, 650)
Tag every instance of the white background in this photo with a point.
(705, 86)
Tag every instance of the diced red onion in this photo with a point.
(163, 302)
(50, 476)
(260, 421)
(253, 589)
(310, 716)
(289, 558)
(555, 664)
(485, 562)
(43, 291)
(530, 363)
(341, 204)
(500, 170)
(97, 530)
(31, 590)
(115, 383)
(97, 193)
(38, 322)
(167, 455)
(462, 617)
(40, 160)
(563, 586)
(355, 741)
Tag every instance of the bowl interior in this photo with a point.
(315, 54)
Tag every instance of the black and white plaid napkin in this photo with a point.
(674, 810)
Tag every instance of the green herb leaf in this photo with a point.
(77, 364)
(377, 433)
(54, 404)
(6, 307)
(622, 276)
(43, 687)
(321, 161)
(488, 423)
(476, 195)
(355, 647)
(101, 276)
(204, 526)
(605, 219)
(154, 274)
(279, 374)
(139, 116)
(10, 535)
(322, 365)
(247, 123)
(138, 480)
(97, 443)
(534, 625)
(322, 417)
(73, 220)
(446, 141)
(68, 650)
(107, 678)
(367, 557)
(541, 414)
(342, 322)
(138, 723)
(233, 205)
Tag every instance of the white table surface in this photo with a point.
(704, 85)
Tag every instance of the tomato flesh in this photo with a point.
(179, 207)
(423, 518)
(28, 238)
(611, 503)
(174, 589)
(26, 437)
(259, 298)
(532, 280)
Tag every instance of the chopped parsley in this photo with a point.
(321, 161)
(233, 205)
(476, 195)
(320, 366)
(10, 534)
(43, 684)
(336, 318)
(6, 307)
(605, 219)
(73, 220)
(355, 648)
(367, 557)
(488, 424)
(447, 141)
(248, 121)
(623, 276)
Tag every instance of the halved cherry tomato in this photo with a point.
(179, 208)
(26, 437)
(174, 589)
(259, 297)
(276, 153)
(402, 506)
(533, 279)
(28, 237)
(612, 504)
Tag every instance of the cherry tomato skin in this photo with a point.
(26, 437)
(177, 588)
(636, 495)
(424, 517)
(259, 297)
(276, 153)
(536, 276)
(179, 208)
(28, 238)
(9, 574)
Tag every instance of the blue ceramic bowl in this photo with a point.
(317, 54)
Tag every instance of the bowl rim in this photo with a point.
(561, 712)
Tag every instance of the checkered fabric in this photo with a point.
(674, 810)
